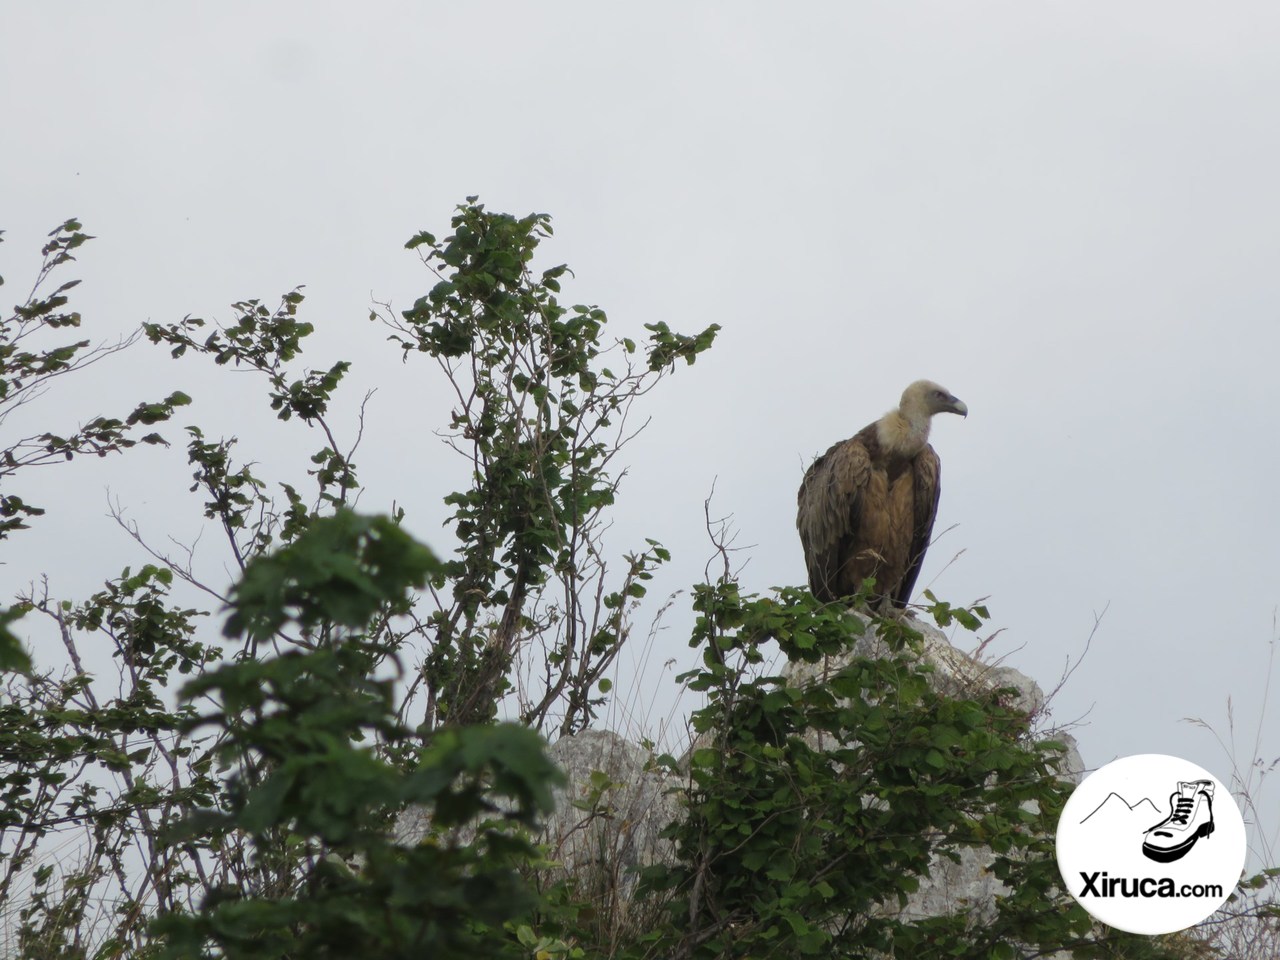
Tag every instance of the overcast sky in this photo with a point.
(1066, 213)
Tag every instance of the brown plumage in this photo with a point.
(866, 506)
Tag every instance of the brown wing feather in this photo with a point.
(829, 503)
(927, 473)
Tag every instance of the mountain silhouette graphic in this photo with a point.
(1112, 805)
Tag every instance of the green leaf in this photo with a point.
(704, 757)
(13, 657)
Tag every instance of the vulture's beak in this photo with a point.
(958, 406)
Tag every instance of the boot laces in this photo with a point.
(1182, 810)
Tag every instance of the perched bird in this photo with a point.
(866, 506)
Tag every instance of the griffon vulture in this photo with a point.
(866, 506)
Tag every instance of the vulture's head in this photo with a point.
(927, 398)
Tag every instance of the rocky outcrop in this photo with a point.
(966, 886)
(954, 674)
(608, 818)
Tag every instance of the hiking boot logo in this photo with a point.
(1190, 818)
(1126, 854)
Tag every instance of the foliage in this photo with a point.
(817, 807)
(12, 656)
(542, 412)
(234, 792)
(110, 768)
(316, 802)
(29, 363)
(326, 601)
(34, 352)
(339, 573)
(264, 341)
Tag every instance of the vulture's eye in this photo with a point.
(939, 394)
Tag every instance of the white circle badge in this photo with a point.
(1151, 844)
